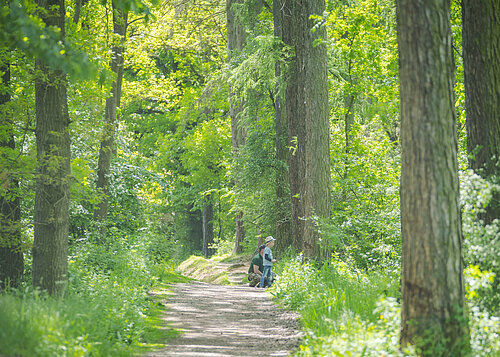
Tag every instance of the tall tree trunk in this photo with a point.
(195, 228)
(112, 102)
(11, 255)
(283, 202)
(432, 282)
(51, 215)
(348, 122)
(481, 49)
(308, 123)
(208, 226)
(235, 43)
(78, 6)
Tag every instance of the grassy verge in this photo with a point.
(157, 331)
(215, 270)
(117, 313)
(345, 312)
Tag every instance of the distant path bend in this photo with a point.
(222, 320)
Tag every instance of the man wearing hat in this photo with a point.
(268, 261)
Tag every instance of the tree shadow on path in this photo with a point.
(221, 320)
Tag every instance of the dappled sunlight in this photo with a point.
(219, 320)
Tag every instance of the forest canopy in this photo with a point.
(134, 134)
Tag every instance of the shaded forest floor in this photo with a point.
(225, 320)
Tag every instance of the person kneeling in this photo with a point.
(256, 267)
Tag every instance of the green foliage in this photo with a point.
(345, 312)
(365, 221)
(21, 28)
(251, 75)
(255, 170)
(331, 296)
(363, 62)
(107, 310)
(174, 146)
(340, 307)
(175, 109)
(137, 6)
(481, 242)
(207, 155)
(364, 150)
(375, 339)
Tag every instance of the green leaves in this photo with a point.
(21, 28)
(208, 154)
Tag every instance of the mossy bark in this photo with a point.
(481, 51)
(51, 214)
(307, 114)
(11, 255)
(431, 278)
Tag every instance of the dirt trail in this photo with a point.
(222, 320)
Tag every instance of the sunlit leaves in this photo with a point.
(21, 28)
(363, 52)
(208, 154)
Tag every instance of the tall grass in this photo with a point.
(346, 312)
(107, 309)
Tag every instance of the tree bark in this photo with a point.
(78, 7)
(235, 43)
(51, 215)
(481, 51)
(348, 123)
(208, 226)
(112, 103)
(308, 123)
(11, 255)
(195, 228)
(283, 202)
(432, 282)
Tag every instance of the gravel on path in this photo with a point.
(227, 320)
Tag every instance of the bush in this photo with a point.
(481, 242)
(346, 312)
(330, 298)
(107, 310)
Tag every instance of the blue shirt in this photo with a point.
(268, 256)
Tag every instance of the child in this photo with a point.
(268, 261)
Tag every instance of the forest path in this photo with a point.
(227, 320)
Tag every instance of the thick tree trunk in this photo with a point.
(195, 229)
(481, 49)
(308, 123)
(51, 215)
(239, 233)
(112, 103)
(78, 7)
(283, 202)
(208, 226)
(235, 43)
(432, 281)
(11, 255)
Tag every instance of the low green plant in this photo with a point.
(108, 310)
(378, 338)
(346, 312)
(481, 241)
(330, 298)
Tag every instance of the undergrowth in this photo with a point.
(111, 311)
(346, 312)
